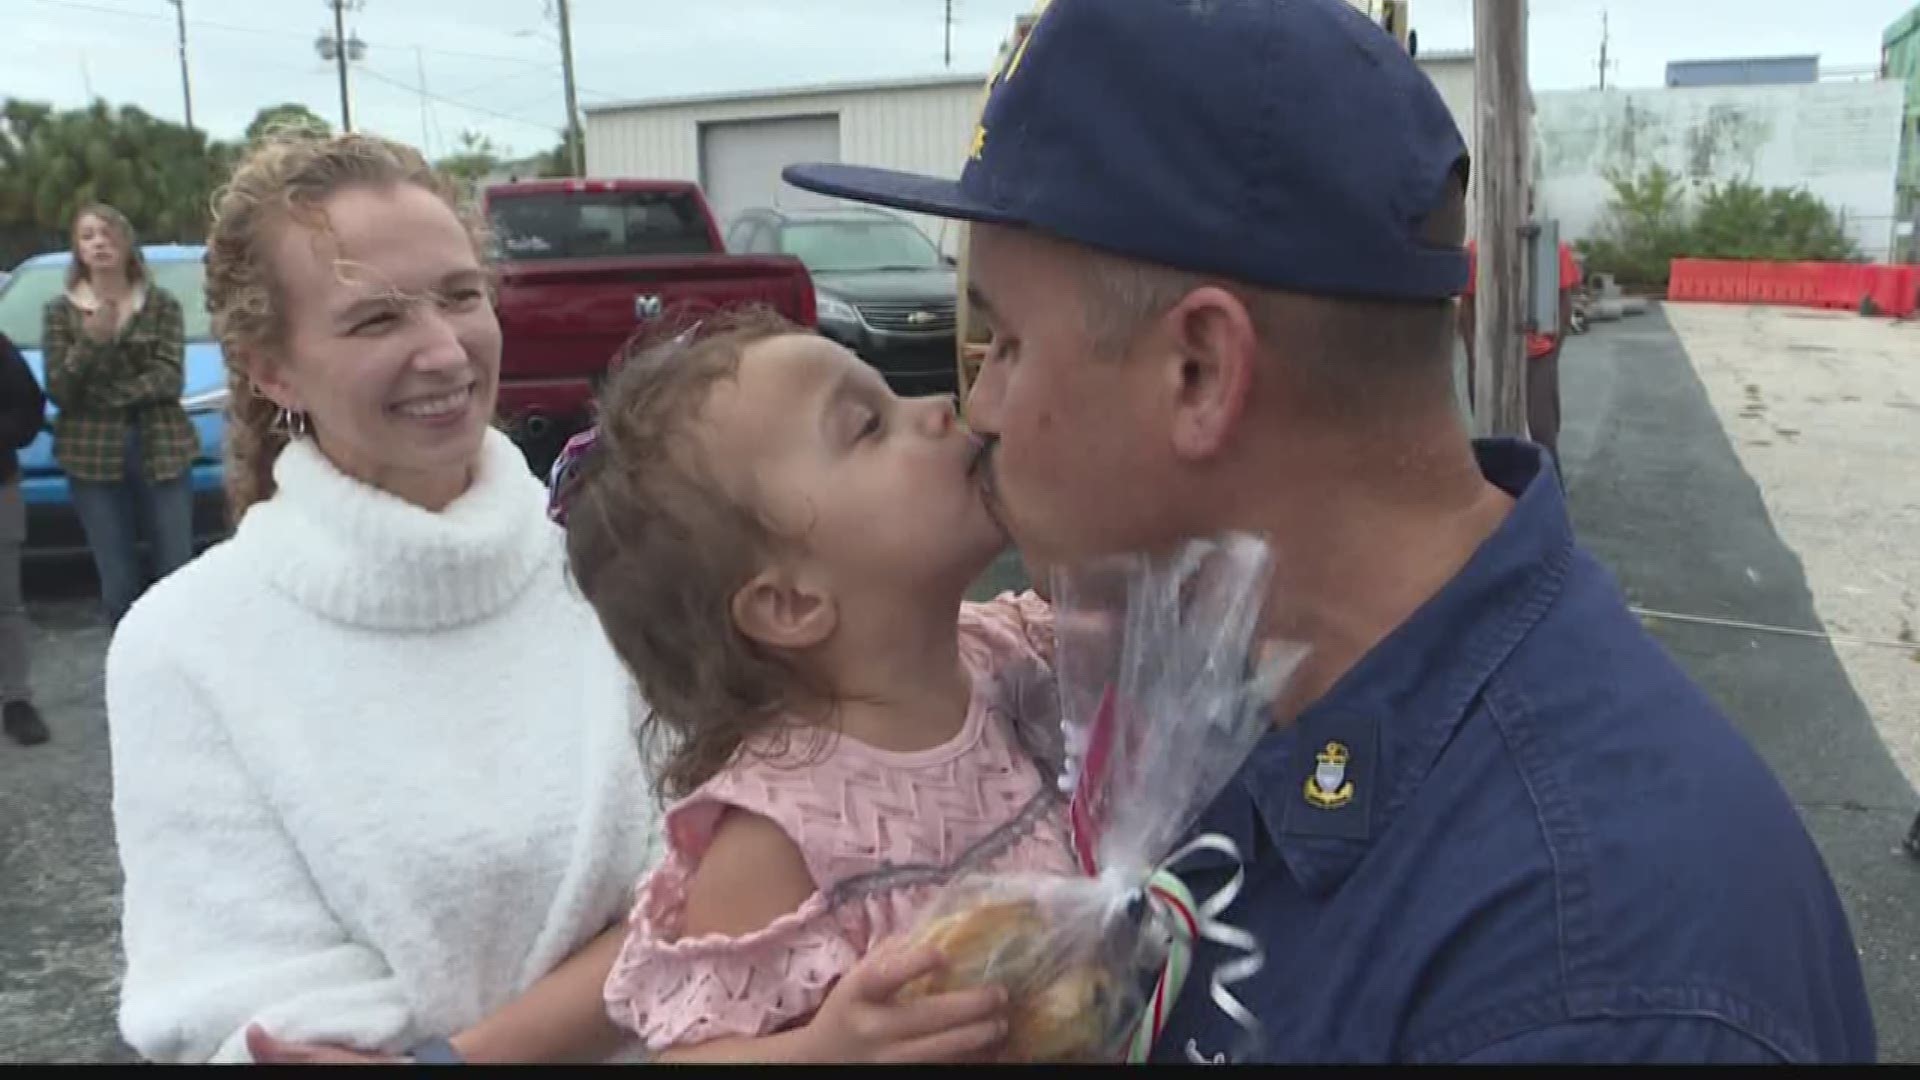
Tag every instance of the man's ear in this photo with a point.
(1213, 351)
(783, 610)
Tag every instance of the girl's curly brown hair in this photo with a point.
(285, 178)
(659, 547)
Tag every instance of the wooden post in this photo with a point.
(1502, 125)
(577, 152)
(340, 59)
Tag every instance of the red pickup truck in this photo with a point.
(584, 265)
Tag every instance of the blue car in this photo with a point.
(52, 526)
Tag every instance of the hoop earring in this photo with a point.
(291, 424)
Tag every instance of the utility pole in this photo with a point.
(340, 55)
(1502, 107)
(1603, 48)
(949, 33)
(340, 49)
(186, 87)
(576, 141)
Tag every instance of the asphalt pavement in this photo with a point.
(1659, 495)
(1657, 492)
(59, 874)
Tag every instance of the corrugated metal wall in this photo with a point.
(919, 128)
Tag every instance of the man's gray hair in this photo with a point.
(1355, 348)
(1121, 296)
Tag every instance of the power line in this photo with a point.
(496, 82)
(545, 98)
(411, 89)
(543, 65)
(207, 24)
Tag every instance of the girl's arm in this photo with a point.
(560, 1019)
(860, 1022)
(745, 881)
(752, 874)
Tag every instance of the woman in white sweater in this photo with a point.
(374, 784)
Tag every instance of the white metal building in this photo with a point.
(734, 145)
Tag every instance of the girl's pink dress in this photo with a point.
(879, 830)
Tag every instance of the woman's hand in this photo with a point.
(102, 322)
(267, 1050)
(861, 1022)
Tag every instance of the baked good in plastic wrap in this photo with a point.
(1066, 1004)
(1163, 692)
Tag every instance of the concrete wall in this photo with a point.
(1839, 140)
(923, 127)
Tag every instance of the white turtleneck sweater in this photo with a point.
(373, 771)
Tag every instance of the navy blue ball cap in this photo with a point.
(1290, 144)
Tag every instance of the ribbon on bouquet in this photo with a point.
(1170, 901)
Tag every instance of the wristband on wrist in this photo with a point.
(436, 1052)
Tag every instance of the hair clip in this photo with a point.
(566, 469)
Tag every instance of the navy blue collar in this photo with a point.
(1320, 790)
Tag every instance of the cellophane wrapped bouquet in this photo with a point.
(1163, 691)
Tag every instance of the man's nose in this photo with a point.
(983, 400)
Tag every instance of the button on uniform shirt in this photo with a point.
(1516, 831)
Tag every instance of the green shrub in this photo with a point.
(1649, 223)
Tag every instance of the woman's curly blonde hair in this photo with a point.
(286, 178)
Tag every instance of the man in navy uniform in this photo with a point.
(1217, 243)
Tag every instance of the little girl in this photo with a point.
(778, 546)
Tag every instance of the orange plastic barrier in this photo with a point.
(1894, 290)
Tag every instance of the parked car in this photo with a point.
(883, 289)
(585, 265)
(52, 526)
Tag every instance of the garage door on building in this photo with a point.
(740, 161)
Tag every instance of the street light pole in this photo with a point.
(577, 144)
(186, 86)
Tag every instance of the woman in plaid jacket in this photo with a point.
(114, 342)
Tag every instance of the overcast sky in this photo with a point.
(492, 65)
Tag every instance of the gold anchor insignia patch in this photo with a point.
(1328, 788)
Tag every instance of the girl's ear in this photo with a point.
(779, 610)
